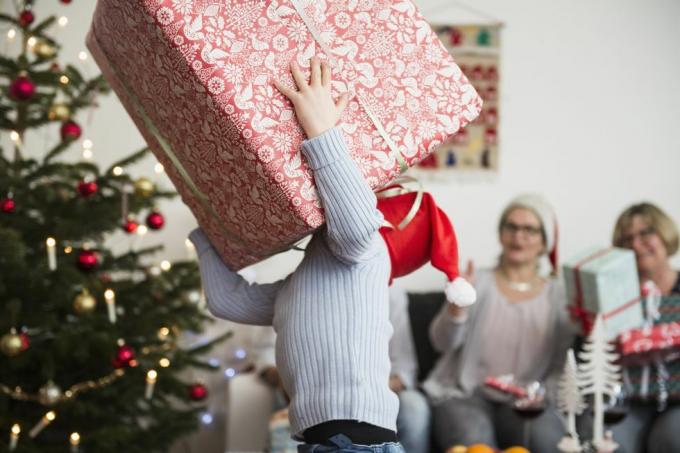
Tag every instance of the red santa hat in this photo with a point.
(417, 231)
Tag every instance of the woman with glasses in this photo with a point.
(653, 236)
(518, 326)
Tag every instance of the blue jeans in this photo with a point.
(343, 444)
(413, 422)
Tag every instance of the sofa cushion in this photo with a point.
(422, 308)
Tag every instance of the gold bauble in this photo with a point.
(59, 112)
(11, 344)
(144, 187)
(44, 50)
(84, 302)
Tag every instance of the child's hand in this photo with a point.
(314, 106)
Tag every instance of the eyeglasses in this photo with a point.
(644, 235)
(526, 230)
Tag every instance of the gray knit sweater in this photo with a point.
(331, 315)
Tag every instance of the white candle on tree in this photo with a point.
(14, 436)
(110, 298)
(74, 439)
(151, 378)
(51, 244)
(42, 424)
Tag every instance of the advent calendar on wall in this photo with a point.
(476, 49)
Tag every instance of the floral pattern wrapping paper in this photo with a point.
(197, 78)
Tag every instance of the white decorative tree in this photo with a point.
(570, 401)
(599, 376)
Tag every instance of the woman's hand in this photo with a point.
(315, 108)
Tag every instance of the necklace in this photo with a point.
(521, 287)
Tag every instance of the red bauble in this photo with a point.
(87, 188)
(198, 392)
(26, 18)
(87, 260)
(22, 88)
(7, 205)
(65, 2)
(70, 130)
(124, 356)
(25, 341)
(130, 226)
(155, 220)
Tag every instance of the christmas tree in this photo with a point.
(91, 350)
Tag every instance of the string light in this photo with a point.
(117, 171)
(214, 362)
(11, 34)
(82, 55)
(15, 137)
(240, 353)
(68, 249)
(87, 154)
(230, 372)
(87, 143)
(32, 41)
(64, 79)
(165, 265)
(142, 230)
(63, 20)
(164, 362)
(158, 168)
(206, 418)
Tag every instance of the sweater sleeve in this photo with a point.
(350, 205)
(447, 333)
(229, 295)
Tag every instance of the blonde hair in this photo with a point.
(662, 224)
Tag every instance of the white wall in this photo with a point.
(590, 102)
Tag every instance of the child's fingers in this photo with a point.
(326, 73)
(341, 103)
(299, 78)
(315, 77)
(287, 92)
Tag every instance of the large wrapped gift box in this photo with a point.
(604, 281)
(197, 79)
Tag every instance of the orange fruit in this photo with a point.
(480, 448)
(457, 449)
(516, 450)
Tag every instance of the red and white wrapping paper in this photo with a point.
(197, 78)
(650, 343)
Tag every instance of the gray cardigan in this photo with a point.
(455, 374)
